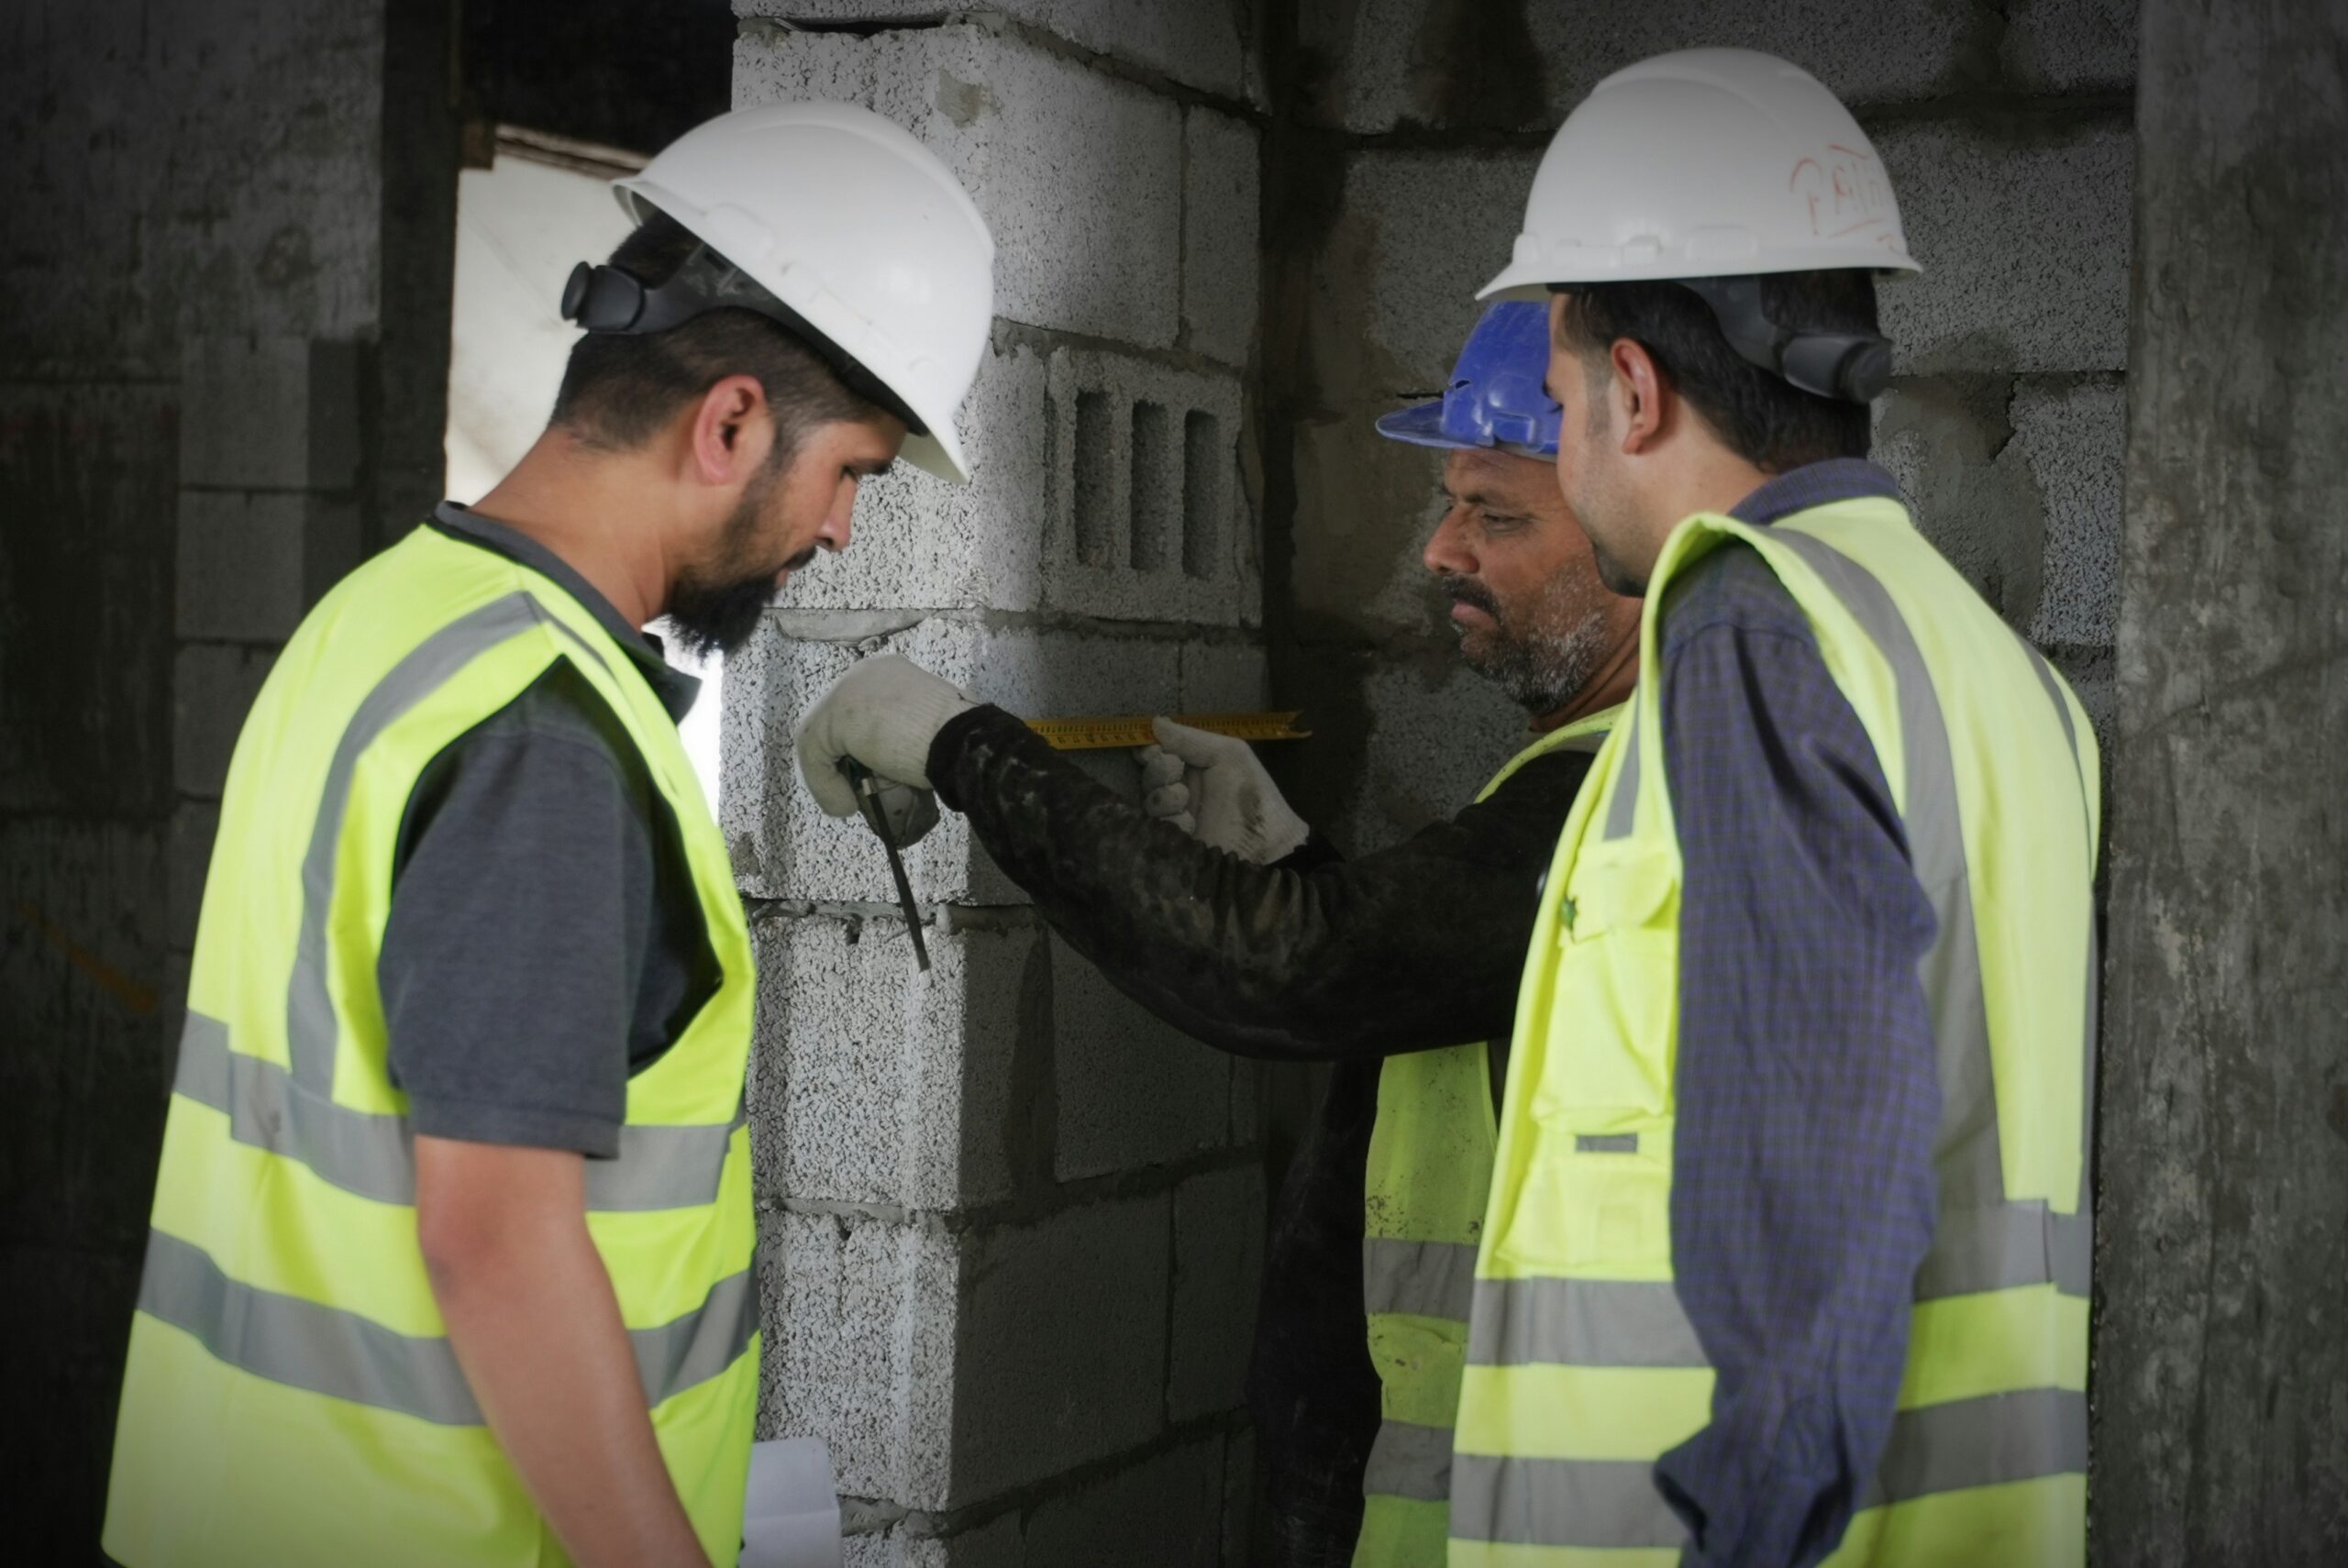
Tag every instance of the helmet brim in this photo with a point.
(938, 453)
(1533, 279)
(1421, 425)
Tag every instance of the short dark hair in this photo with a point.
(1759, 415)
(619, 389)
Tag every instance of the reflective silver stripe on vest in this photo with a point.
(1990, 1237)
(309, 1012)
(2004, 1246)
(325, 1350)
(1427, 1279)
(1580, 1322)
(1560, 1502)
(1410, 1461)
(1621, 811)
(2024, 1436)
(373, 1154)
(1989, 1441)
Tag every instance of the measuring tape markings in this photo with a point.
(1133, 729)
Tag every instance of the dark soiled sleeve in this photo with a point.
(511, 959)
(1802, 1190)
(1416, 947)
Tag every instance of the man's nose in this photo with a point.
(833, 534)
(1447, 554)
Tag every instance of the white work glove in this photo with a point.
(884, 713)
(1214, 788)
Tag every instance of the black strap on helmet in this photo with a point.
(1854, 367)
(607, 299)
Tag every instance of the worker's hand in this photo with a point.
(911, 812)
(1164, 793)
(1223, 792)
(884, 713)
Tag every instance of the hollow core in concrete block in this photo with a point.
(1096, 467)
(1201, 492)
(1157, 486)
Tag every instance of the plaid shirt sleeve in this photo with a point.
(1803, 1192)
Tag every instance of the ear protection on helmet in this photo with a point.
(607, 299)
(1848, 365)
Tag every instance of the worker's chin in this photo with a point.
(719, 618)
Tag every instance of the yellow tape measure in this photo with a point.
(1133, 729)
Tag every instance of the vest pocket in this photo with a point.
(1603, 1103)
(1613, 1012)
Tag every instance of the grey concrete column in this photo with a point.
(2221, 1345)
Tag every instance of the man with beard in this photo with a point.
(1259, 939)
(452, 1234)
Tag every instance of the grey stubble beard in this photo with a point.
(1544, 667)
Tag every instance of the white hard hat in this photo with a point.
(1704, 163)
(859, 231)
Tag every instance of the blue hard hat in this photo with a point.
(1495, 398)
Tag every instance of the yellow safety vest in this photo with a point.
(291, 1395)
(1430, 1169)
(1582, 1368)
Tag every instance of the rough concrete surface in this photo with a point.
(220, 173)
(274, 413)
(1417, 234)
(2075, 436)
(2070, 46)
(212, 688)
(1166, 1510)
(88, 1011)
(85, 703)
(1222, 678)
(240, 565)
(1070, 167)
(876, 1082)
(2017, 480)
(994, 1544)
(2221, 1418)
(1517, 66)
(943, 1368)
(1218, 1261)
(1200, 43)
(1367, 507)
(1437, 733)
(1220, 197)
(2024, 241)
(193, 826)
(921, 542)
(1238, 1497)
(859, 1316)
(1133, 1091)
(1061, 1345)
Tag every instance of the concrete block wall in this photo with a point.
(1010, 1225)
(1399, 178)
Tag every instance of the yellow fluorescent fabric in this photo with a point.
(1428, 1178)
(1579, 1374)
(291, 1394)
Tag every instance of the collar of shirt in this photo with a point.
(675, 689)
(1814, 485)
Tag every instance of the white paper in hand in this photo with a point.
(791, 1516)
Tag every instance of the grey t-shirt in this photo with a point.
(545, 939)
